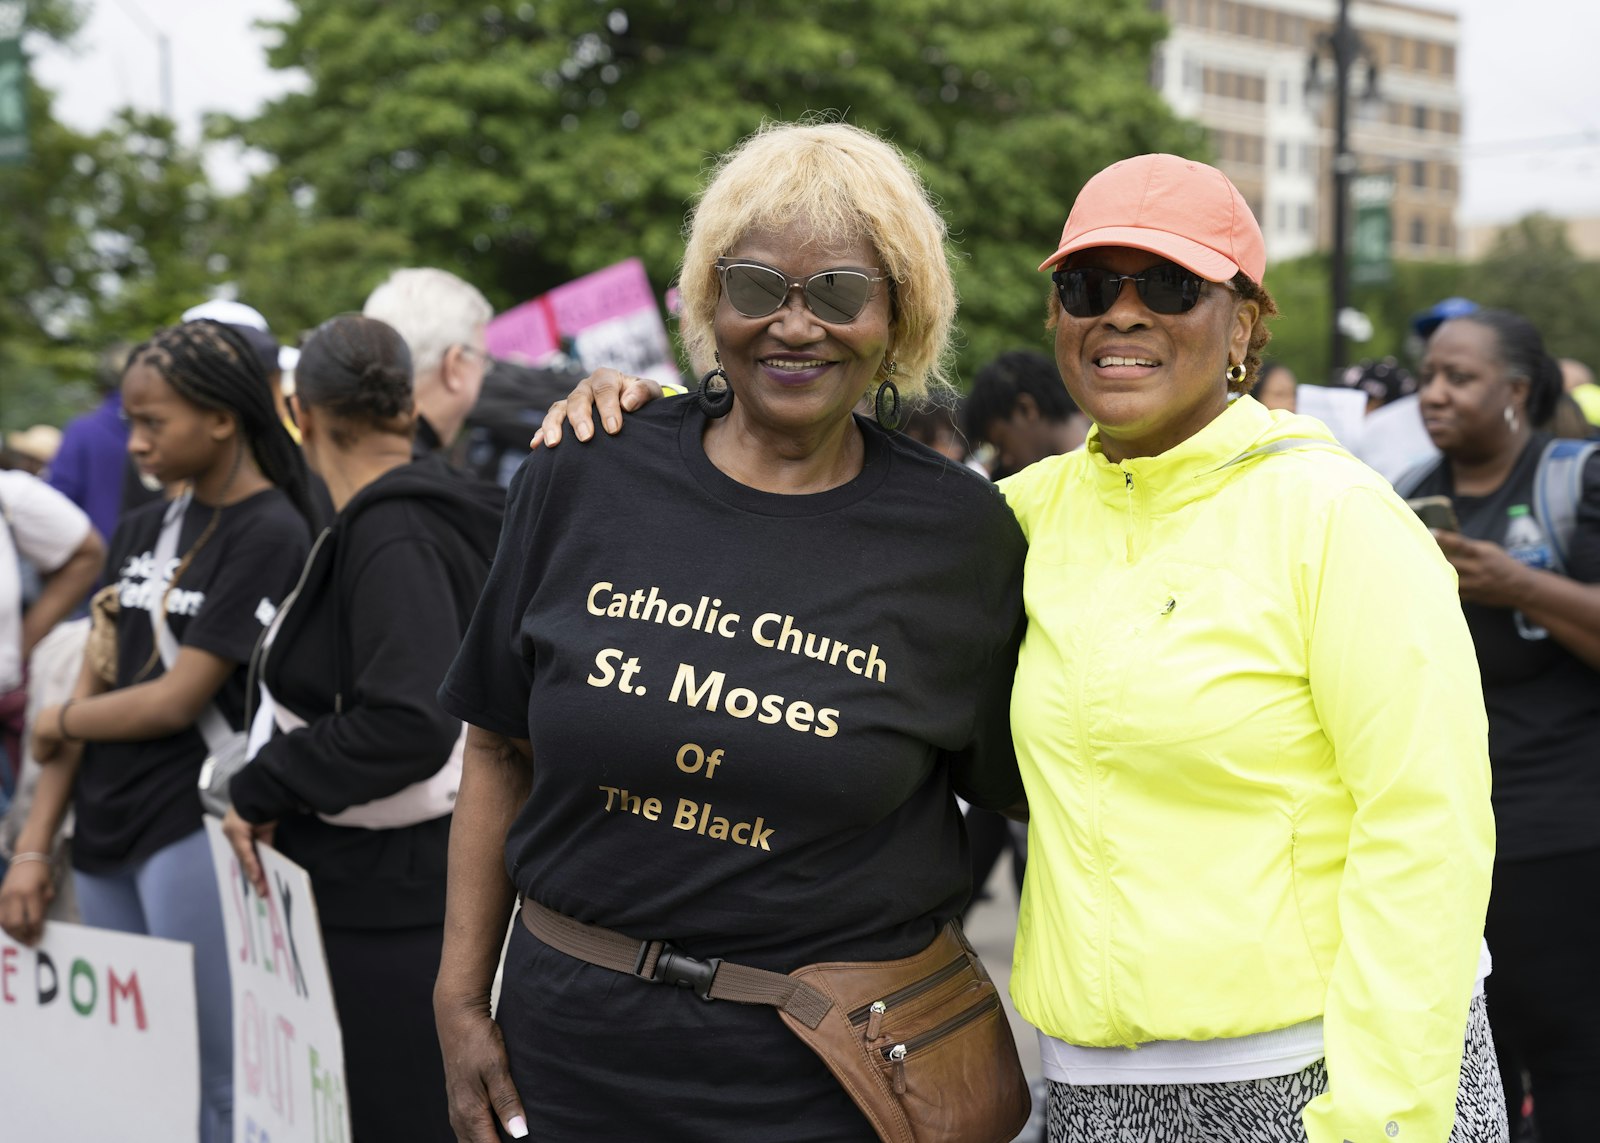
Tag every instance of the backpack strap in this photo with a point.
(1557, 491)
(211, 724)
(1407, 483)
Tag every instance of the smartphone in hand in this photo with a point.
(1436, 513)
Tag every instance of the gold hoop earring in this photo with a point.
(1236, 373)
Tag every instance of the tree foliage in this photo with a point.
(106, 235)
(1532, 268)
(526, 144)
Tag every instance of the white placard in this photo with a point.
(1344, 411)
(288, 1055)
(98, 1038)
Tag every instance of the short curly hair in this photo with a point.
(841, 183)
(1249, 290)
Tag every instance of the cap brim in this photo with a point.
(1186, 252)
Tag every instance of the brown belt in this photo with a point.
(659, 962)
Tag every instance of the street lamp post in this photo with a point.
(1345, 48)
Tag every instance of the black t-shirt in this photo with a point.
(1543, 701)
(747, 713)
(133, 798)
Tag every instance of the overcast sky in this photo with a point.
(1528, 79)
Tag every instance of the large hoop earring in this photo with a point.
(715, 397)
(1236, 373)
(886, 404)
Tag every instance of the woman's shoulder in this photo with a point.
(647, 438)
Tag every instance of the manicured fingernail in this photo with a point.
(611, 424)
(518, 1127)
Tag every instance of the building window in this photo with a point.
(1419, 117)
(1450, 122)
(1283, 215)
(1419, 173)
(1397, 51)
(1305, 218)
(1447, 60)
(1447, 238)
(1424, 52)
(1283, 157)
(1305, 157)
(1419, 232)
(1283, 93)
(1447, 177)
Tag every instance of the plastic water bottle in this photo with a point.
(1526, 543)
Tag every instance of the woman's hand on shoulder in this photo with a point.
(1485, 572)
(605, 391)
(477, 1075)
(25, 895)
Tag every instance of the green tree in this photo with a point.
(522, 145)
(1533, 269)
(106, 235)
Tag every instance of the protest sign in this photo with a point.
(98, 1037)
(611, 316)
(288, 1055)
(1344, 411)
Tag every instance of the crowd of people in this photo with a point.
(747, 692)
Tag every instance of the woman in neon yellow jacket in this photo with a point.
(1250, 720)
(1251, 726)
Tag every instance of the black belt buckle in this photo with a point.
(675, 968)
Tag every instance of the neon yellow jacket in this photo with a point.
(1252, 730)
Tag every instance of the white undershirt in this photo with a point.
(1281, 1052)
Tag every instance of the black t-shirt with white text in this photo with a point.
(747, 712)
(133, 798)
(1543, 701)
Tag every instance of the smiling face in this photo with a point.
(1466, 391)
(1149, 380)
(170, 438)
(791, 371)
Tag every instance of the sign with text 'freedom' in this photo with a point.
(98, 1038)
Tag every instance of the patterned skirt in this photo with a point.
(1261, 1111)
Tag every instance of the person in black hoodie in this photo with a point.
(355, 764)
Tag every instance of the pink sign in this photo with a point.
(611, 315)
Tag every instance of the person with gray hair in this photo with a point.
(443, 320)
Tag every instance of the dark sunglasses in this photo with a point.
(1088, 291)
(756, 290)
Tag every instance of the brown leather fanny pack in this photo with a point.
(921, 1044)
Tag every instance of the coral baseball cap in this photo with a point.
(1185, 211)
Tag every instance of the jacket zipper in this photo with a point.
(896, 1053)
(1094, 814)
(1127, 483)
(872, 1014)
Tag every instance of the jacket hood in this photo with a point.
(471, 507)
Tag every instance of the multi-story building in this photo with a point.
(1241, 69)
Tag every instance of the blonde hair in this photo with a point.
(841, 183)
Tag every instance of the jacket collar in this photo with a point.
(1178, 476)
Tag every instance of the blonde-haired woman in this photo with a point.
(736, 721)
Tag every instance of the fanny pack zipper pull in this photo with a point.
(875, 1019)
(897, 1055)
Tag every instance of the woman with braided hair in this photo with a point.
(210, 568)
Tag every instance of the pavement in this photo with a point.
(992, 927)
